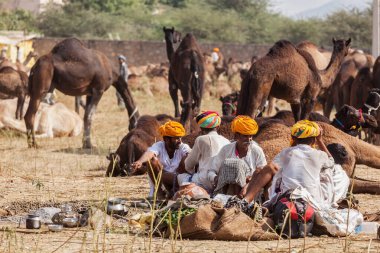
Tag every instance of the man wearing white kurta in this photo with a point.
(205, 148)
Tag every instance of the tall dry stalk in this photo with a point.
(348, 211)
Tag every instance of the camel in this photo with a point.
(132, 146)
(274, 136)
(229, 103)
(14, 83)
(347, 119)
(21, 66)
(75, 70)
(51, 120)
(186, 73)
(289, 73)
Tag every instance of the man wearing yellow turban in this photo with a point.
(235, 163)
(205, 146)
(297, 166)
(167, 155)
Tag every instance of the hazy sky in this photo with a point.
(291, 7)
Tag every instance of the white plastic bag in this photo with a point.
(336, 220)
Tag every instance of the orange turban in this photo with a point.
(305, 129)
(244, 125)
(172, 129)
(216, 49)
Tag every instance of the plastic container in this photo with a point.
(367, 228)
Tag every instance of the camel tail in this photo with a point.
(196, 68)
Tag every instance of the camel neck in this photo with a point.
(329, 74)
(169, 49)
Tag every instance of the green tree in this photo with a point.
(17, 20)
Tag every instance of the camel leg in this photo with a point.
(173, 90)
(20, 103)
(34, 103)
(91, 103)
(296, 109)
(307, 108)
(121, 87)
(77, 104)
(365, 186)
(186, 108)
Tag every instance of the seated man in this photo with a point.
(334, 181)
(205, 147)
(300, 165)
(236, 162)
(167, 155)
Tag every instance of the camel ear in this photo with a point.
(173, 28)
(164, 28)
(333, 40)
(221, 99)
(348, 42)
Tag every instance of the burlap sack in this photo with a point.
(223, 224)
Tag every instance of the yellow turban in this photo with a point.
(172, 129)
(244, 125)
(305, 129)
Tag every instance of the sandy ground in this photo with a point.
(61, 171)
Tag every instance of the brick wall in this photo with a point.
(144, 52)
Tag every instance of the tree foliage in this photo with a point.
(239, 21)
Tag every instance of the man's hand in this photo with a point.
(319, 137)
(136, 165)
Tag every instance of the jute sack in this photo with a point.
(211, 223)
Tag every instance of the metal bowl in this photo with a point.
(116, 206)
(70, 222)
(55, 227)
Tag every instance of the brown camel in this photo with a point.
(340, 90)
(274, 136)
(75, 70)
(171, 37)
(14, 83)
(21, 66)
(187, 74)
(132, 146)
(289, 73)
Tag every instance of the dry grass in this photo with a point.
(60, 171)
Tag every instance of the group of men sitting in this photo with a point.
(240, 168)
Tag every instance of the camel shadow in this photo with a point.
(88, 151)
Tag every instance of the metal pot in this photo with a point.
(115, 206)
(33, 221)
(70, 222)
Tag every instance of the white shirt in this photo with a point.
(300, 166)
(255, 158)
(170, 165)
(214, 56)
(205, 147)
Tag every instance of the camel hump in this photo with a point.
(70, 49)
(282, 48)
(7, 70)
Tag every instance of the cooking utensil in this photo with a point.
(33, 221)
(55, 227)
(116, 206)
(70, 222)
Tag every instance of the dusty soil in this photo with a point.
(60, 171)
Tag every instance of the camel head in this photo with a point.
(350, 120)
(229, 103)
(373, 101)
(172, 35)
(341, 45)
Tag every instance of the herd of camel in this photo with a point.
(300, 75)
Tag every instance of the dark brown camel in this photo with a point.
(75, 70)
(171, 37)
(229, 103)
(289, 73)
(187, 74)
(14, 83)
(132, 146)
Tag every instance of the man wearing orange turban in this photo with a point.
(235, 164)
(166, 156)
(297, 166)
